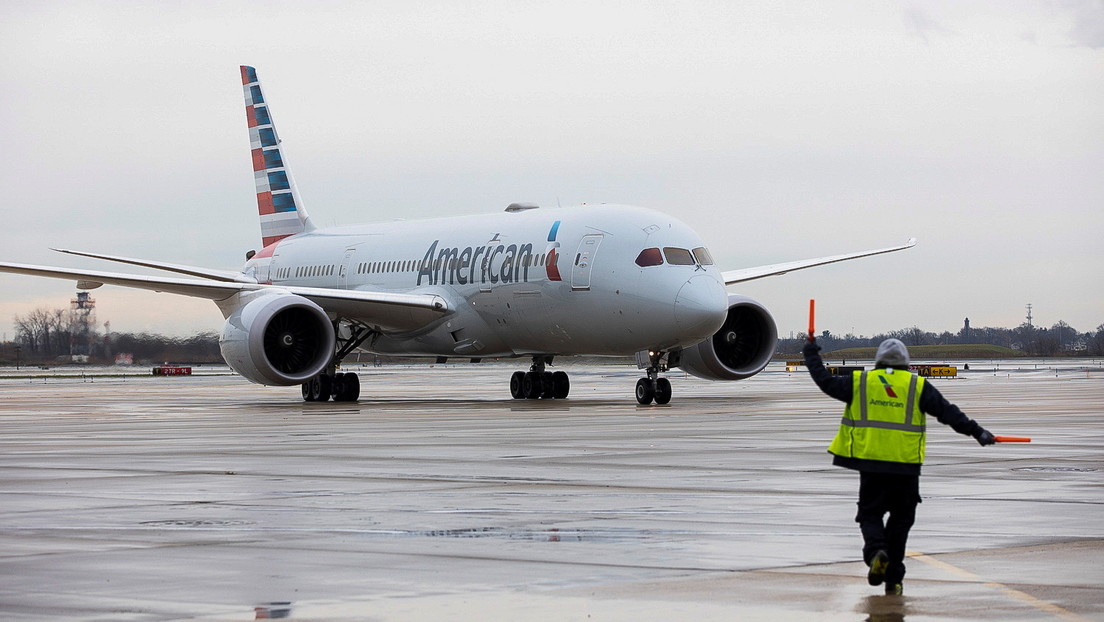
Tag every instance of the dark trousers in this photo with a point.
(897, 495)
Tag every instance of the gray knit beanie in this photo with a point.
(892, 353)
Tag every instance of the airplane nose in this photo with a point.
(701, 307)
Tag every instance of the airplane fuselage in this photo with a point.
(553, 281)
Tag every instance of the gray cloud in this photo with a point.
(1088, 23)
(921, 24)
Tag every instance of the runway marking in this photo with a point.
(1024, 597)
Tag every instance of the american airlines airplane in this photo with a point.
(529, 282)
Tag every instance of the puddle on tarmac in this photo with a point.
(195, 523)
(505, 533)
(539, 535)
(1046, 469)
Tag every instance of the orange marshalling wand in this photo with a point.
(1013, 439)
(812, 314)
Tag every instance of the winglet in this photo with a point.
(278, 203)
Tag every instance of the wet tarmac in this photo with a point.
(207, 498)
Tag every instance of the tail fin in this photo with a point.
(278, 202)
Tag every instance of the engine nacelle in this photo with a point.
(740, 349)
(278, 339)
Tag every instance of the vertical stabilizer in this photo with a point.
(278, 202)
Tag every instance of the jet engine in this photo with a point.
(278, 339)
(740, 349)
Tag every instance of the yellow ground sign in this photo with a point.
(931, 371)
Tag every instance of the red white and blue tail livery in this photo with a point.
(278, 202)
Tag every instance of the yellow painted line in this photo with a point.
(1023, 597)
(942, 565)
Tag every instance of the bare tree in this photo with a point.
(45, 332)
(25, 333)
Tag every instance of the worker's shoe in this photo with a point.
(878, 566)
(894, 589)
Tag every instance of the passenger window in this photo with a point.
(678, 256)
(649, 257)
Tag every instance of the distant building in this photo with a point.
(1078, 346)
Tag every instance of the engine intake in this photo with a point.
(740, 349)
(278, 339)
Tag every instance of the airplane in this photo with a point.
(529, 282)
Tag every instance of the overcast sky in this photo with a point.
(778, 130)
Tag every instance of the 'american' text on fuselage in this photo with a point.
(456, 266)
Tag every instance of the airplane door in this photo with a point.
(584, 262)
(343, 269)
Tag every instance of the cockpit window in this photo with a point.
(678, 256)
(649, 257)
(701, 253)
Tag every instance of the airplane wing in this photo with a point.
(207, 273)
(750, 274)
(385, 309)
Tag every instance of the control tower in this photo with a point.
(82, 321)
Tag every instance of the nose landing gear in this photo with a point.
(648, 390)
(653, 388)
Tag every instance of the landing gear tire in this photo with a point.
(352, 387)
(531, 385)
(561, 385)
(646, 391)
(662, 391)
(548, 389)
(337, 386)
(346, 387)
(516, 382)
(308, 394)
(320, 388)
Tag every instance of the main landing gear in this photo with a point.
(538, 383)
(331, 384)
(340, 387)
(653, 388)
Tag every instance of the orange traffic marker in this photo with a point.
(1013, 439)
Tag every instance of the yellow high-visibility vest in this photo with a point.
(883, 421)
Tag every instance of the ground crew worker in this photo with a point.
(882, 437)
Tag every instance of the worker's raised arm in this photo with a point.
(839, 387)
